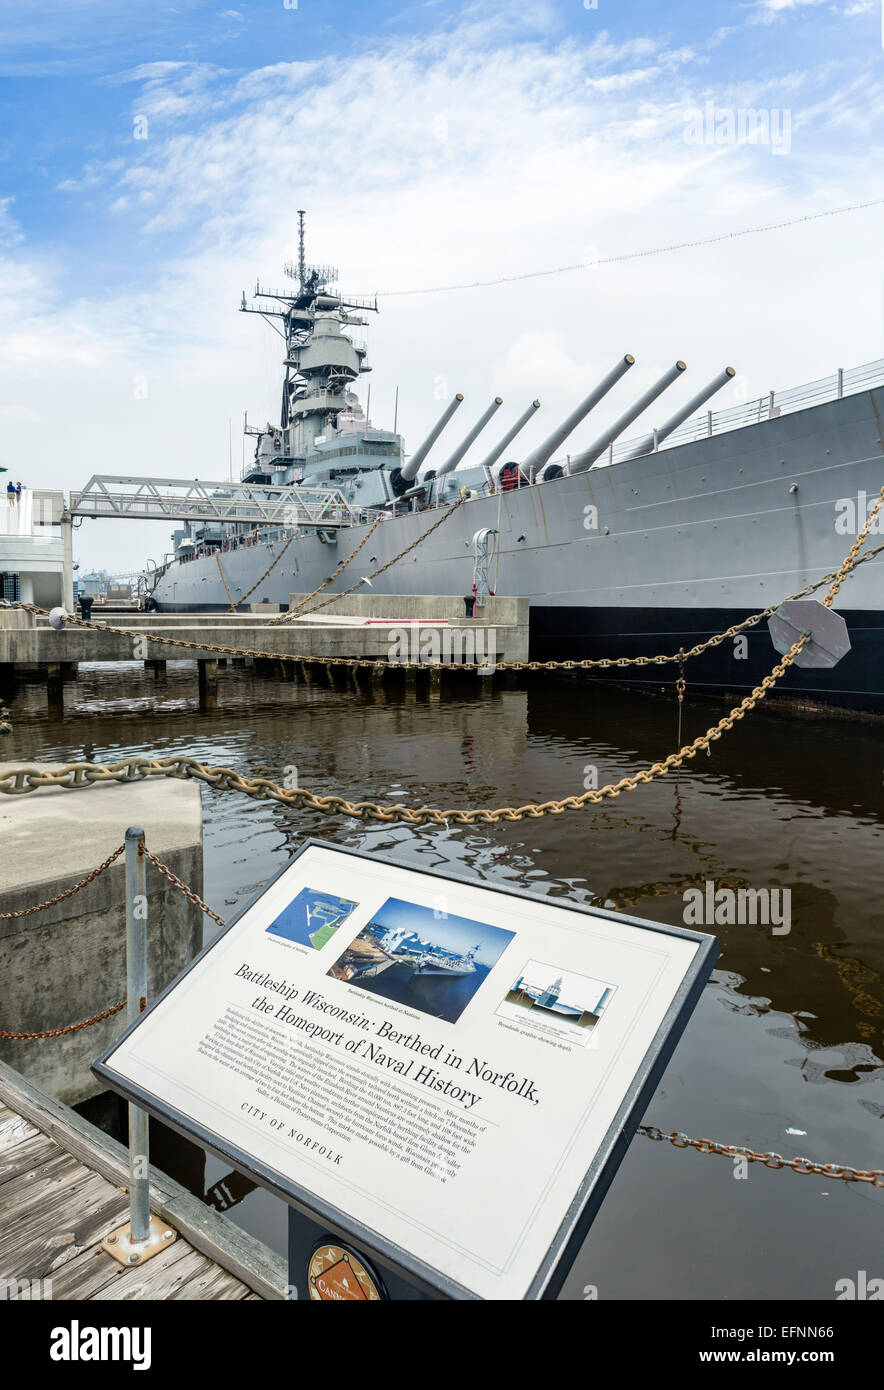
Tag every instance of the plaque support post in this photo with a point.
(143, 1235)
(136, 983)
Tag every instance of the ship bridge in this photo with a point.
(188, 499)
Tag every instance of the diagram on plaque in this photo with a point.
(557, 1001)
(312, 918)
(418, 956)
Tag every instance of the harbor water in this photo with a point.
(784, 1052)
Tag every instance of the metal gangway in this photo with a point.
(188, 499)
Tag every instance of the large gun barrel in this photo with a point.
(580, 462)
(451, 463)
(650, 441)
(409, 469)
(545, 451)
(508, 438)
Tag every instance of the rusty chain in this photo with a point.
(269, 569)
(182, 887)
(68, 893)
(71, 1027)
(842, 1171)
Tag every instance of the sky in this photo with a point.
(153, 158)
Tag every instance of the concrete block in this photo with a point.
(68, 962)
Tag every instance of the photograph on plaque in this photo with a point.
(312, 918)
(426, 959)
(446, 1090)
(557, 1001)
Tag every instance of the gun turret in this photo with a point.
(508, 438)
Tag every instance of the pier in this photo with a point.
(62, 1190)
(394, 631)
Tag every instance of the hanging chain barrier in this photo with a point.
(294, 612)
(841, 1171)
(115, 1008)
(68, 893)
(183, 888)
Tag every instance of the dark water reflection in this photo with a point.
(784, 1052)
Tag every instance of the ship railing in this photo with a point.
(843, 382)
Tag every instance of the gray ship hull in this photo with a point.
(643, 556)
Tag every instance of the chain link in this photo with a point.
(842, 1171)
(188, 892)
(71, 1027)
(402, 553)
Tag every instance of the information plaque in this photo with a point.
(443, 1072)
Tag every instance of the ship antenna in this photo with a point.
(302, 263)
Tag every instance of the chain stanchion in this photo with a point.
(139, 994)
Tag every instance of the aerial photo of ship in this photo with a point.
(431, 962)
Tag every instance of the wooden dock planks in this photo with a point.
(54, 1212)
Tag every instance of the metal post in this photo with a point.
(840, 382)
(136, 986)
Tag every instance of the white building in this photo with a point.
(32, 547)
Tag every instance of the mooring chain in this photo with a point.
(293, 612)
(402, 553)
(16, 781)
(270, 568)
(841, 1171)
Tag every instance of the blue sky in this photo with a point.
(431, 144)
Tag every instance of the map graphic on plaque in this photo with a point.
(426, 960)
(312, 918)
(548, 998)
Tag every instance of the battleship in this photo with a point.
(626, 547)
(434, 961)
